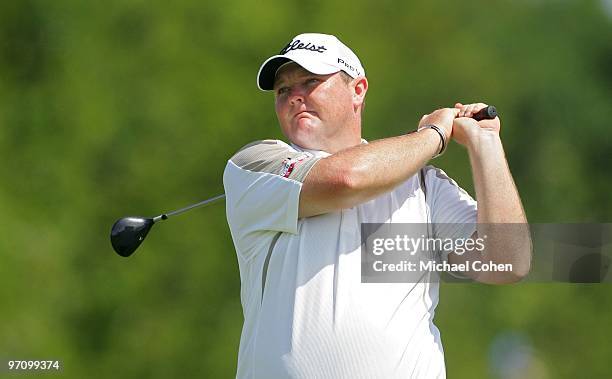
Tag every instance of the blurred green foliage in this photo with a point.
(133, 108)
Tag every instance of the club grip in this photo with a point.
(487, 113)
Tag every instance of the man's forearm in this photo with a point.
(499, 203)
(382, 165)
(498, 198)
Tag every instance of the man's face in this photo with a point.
(315, 111)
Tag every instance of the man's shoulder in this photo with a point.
(434, 173)
(434, 180)
(268, 156)
(263, 145)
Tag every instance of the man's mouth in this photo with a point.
(304, 114)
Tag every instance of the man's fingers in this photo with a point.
(461, 109)
(471, 109)
(468, 110)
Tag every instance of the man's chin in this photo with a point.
(305, 131)
(305, 123)
(307, 136)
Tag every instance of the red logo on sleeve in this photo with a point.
(289, 164)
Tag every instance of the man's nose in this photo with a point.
(297, 95)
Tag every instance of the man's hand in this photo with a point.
(442, 118)
(466, 130)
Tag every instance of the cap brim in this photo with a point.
(267, 71)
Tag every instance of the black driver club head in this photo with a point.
(128, 233)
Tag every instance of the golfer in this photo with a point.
(295, 208)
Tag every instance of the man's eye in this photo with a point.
(312, 81)
(282, 90)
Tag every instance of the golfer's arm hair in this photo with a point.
(360, 173)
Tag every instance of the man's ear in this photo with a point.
(360, 87)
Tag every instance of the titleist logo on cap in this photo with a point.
(297, 45)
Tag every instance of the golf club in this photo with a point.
(128, 233)
(487, 113)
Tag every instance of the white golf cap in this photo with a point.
(320, 54)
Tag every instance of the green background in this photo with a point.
(133, 107)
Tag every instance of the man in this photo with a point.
(295, 211)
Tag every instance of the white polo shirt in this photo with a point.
(306, 312)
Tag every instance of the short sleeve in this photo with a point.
(453, 212)
(262, 185)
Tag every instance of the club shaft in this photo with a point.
(179, 211)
